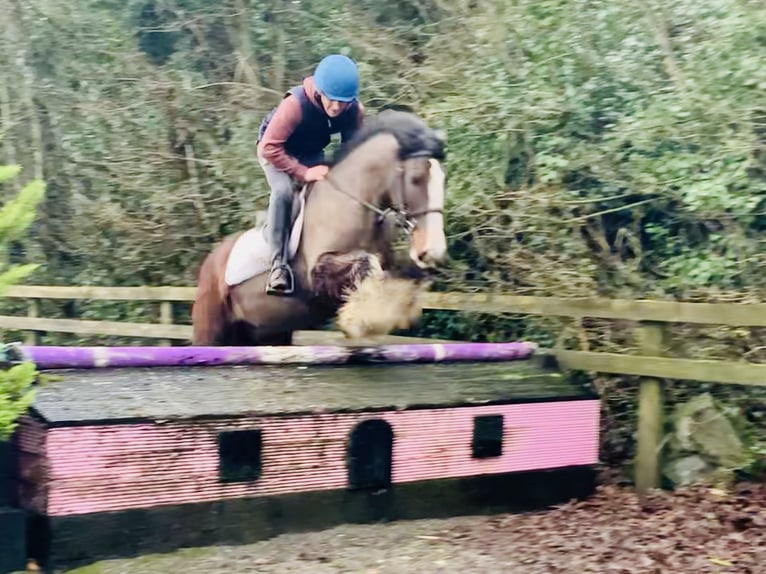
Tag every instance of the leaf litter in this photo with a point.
(698, 530)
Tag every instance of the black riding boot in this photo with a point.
(280, 281)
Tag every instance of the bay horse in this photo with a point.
(388, 176)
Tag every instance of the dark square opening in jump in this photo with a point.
(487, 436)
(239, 455)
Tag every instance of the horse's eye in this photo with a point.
(418, 179)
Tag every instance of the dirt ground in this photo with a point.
(697, 530)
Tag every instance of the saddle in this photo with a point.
(251, 255)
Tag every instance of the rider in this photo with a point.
(291, 143)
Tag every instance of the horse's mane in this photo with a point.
(412, 133)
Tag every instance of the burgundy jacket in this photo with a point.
(292, 137)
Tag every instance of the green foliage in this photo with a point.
(608, 147)
(16, 393)
(15, 217)
(593, 135)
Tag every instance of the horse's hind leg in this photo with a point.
(243, 334)
(239, 334)
(280, 339)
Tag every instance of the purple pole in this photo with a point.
(52, 357)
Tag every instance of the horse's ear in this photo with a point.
(439, 143)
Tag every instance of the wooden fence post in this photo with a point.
(166, 318)
(33, 311)
(652, 342)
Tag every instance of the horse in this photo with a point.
(388, 177)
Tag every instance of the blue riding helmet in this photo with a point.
(337, 77)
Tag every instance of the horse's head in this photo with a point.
(418, 192)
(396, 165)
(419, 197)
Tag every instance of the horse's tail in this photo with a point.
(211, 303)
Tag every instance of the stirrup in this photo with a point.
(288, 289)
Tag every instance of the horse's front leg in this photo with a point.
(336, 275)
(366, 300)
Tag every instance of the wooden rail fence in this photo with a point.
(651, 319)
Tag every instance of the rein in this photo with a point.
(403, 219)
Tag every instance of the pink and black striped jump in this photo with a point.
(141, 450)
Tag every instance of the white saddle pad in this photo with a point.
(251, 256)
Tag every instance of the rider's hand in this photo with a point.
(316, 173)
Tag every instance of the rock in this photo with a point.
(687, 470)
(705, 445)
(702, 427)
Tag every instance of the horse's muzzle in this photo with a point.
(429, 257)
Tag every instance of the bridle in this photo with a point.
(404, 219)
